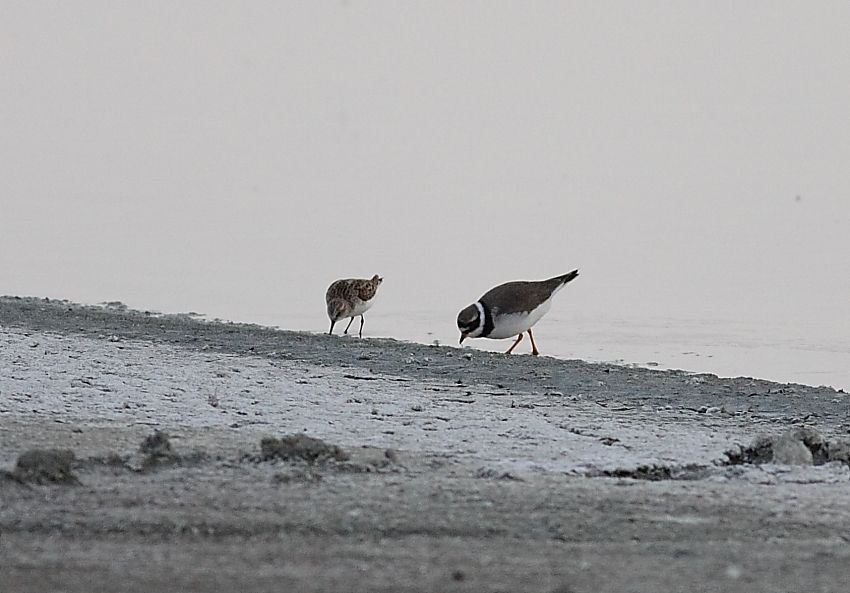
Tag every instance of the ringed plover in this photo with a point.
(510, 309)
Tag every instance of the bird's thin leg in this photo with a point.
(350, 321)
(518, 340)
(533, 345)
(362, 319)
(331, 330)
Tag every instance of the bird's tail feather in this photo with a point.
(566, 277)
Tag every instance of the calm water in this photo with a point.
(234, 160)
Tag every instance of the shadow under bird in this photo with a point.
(510, 309)
(351, 297)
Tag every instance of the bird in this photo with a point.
(510, 309)
(351, 297)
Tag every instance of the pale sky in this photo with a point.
(234, 158)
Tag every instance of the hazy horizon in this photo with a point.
(691, 160)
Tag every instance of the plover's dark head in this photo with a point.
(376, 280)
(470, 322)
(337, 309)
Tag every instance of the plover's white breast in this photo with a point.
(360, 307)
(512, 324)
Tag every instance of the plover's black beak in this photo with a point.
(462, 337)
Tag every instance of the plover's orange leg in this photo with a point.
(533, 345)
(350, 321)
(362, 319)
(518, 340)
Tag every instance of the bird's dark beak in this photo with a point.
(462, 337)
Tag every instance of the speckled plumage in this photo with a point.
(351, 297)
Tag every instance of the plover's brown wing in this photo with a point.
(516, 297)
(521, 296)
(335, 290)
(342, 289)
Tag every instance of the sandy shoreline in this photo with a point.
(468, 471)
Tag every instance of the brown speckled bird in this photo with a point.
(349, 298)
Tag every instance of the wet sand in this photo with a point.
(458, 470)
